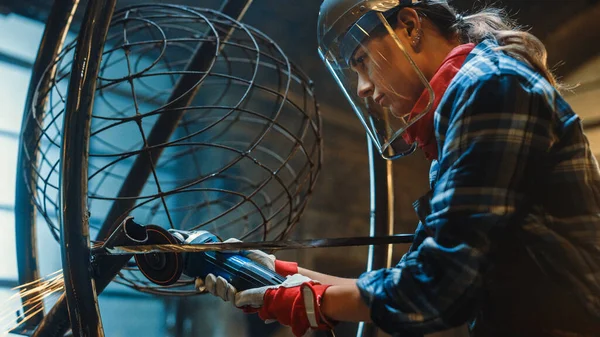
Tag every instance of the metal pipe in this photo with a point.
(381, 219)
(80, 289)
(55, 32)
(184, 92)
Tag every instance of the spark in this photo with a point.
(32, 295)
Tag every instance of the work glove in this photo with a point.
(283, 268)
(295, 303)
(219, 287)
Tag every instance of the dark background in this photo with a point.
(340, 205)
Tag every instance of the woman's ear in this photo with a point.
(409, 23)
(409, 20)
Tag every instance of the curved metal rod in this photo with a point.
(55, 32)
(81, 293)
(80, 289)
(165, 126)
(382, 219)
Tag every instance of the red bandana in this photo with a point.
(422, 131)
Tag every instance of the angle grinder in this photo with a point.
(167, 268)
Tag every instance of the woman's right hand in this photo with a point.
(283, 268)
(258, 256)
(219, 287)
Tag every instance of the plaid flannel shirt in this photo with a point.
(503, 131)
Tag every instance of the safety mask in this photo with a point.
(373, 68)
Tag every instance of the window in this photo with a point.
(19, 39)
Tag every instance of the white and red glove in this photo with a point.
(295, 303)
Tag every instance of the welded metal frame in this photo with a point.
(81, 291)
(82, 286)
(55, 31)
(184, 92)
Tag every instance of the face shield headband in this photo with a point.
(361, 31)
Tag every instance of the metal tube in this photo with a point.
(167, 123)
(57, 27)
(74, 221)
(381, 219)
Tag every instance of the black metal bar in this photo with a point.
(104, 269)
(80, 288)
(51, 43)
(354, 241)
(382, 219)
(186, 88)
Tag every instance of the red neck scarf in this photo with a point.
(422, 131)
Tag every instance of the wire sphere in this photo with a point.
(243, 158)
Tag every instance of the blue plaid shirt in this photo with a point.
(503, 132)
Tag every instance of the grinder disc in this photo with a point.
(160, 268)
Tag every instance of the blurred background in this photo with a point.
(340, 202)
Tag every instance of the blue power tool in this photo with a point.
(166, 268)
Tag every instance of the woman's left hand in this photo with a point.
(295, 302)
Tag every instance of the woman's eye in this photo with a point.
(359, 62)
(360, 59)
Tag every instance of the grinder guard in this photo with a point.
(166, 268)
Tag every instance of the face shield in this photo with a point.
(372, 66)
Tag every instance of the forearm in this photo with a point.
(326, 279)
(343, 303)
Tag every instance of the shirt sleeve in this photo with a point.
(495, 133)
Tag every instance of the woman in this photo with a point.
(509, 233)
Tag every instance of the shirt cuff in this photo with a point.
(384, 311)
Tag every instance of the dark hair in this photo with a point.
(489, 23)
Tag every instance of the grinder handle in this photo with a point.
(238, 270)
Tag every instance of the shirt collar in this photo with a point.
(422, 131)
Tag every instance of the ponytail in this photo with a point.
(490, 23)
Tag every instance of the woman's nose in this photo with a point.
(365, 87)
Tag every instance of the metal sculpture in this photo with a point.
(122, 106)
(201, 122)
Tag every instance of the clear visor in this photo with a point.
(383, 84)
